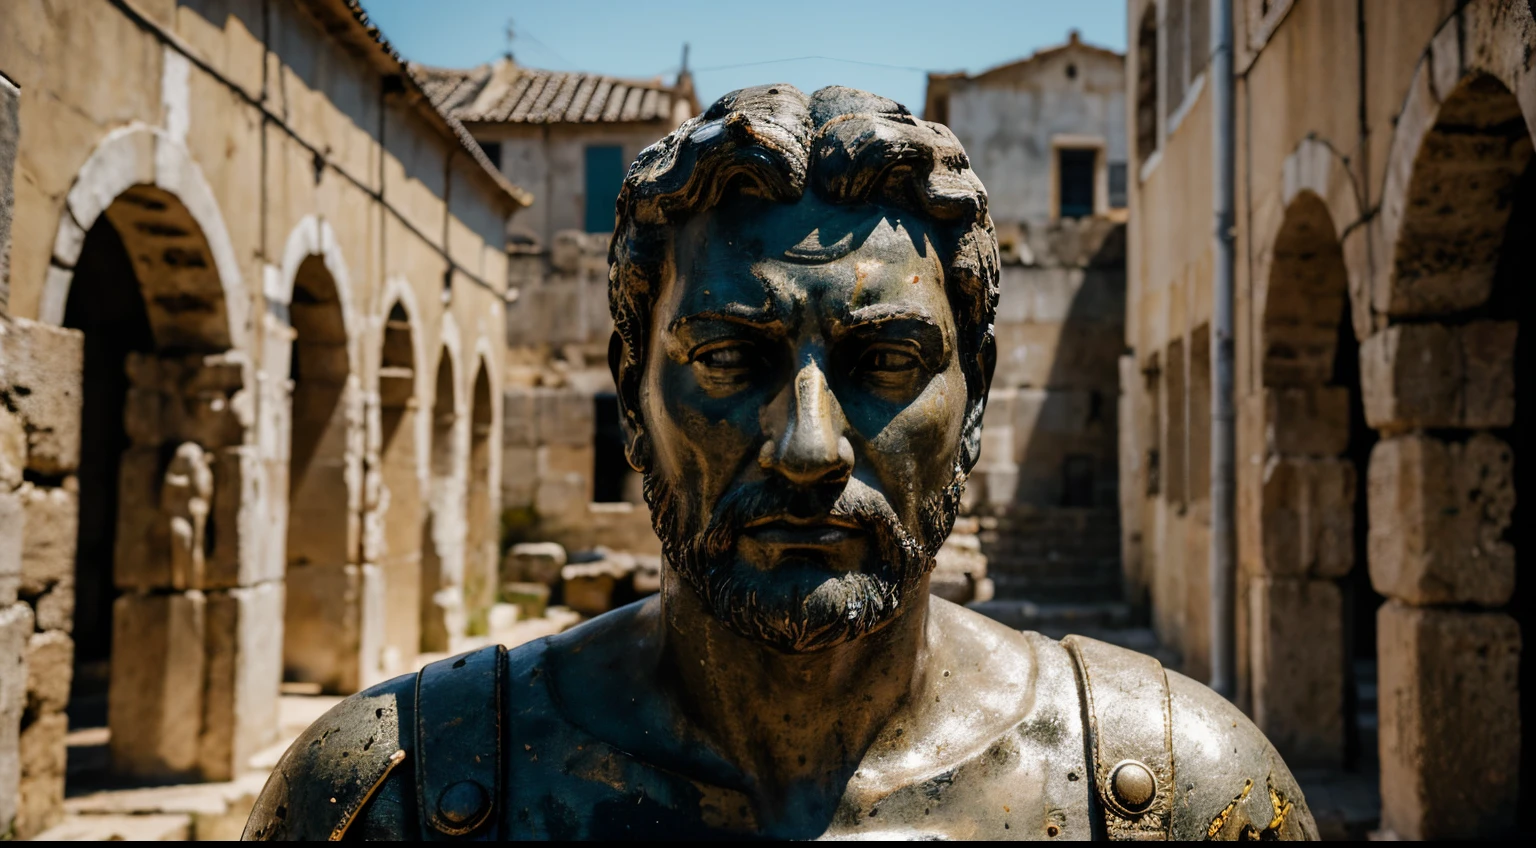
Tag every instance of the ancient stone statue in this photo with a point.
(803, 290)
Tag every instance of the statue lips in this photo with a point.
(787, 531)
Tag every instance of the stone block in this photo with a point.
(236, 520)
(1438, 515)
(589, 587)
(155, 698)
(565, 418)
(320, 624)
(1434, 375)
(12, 529)
(533, 562)
(1307, 421)
(10, 135)
(13, 449)
(40, 791)
(1448, 684)
(1308, 520)
(48, 540)
(141, 557)
(50, 668)
(1296, 663)
(519, 476)
(244, 662)
(1488, 355)
(15, 629)
(44, 366)
(563, 499)
(530, 599)
(563, 460)
(55, 608)
(519, 419)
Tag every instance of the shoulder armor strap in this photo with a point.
(1130, 737)
(458, 745)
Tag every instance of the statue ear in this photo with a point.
(976, 406)
(626, 381)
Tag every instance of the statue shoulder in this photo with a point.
(1232, 783)
(340, 764)
(369, 766)
(1173, 759)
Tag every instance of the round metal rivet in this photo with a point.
(463, 802)
(1133, 785)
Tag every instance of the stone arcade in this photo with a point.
(252, 340)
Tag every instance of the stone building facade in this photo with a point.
(253, 346)
(1384, 200)
(1046, 134)
(570, 137)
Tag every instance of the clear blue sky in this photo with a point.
(885, 47)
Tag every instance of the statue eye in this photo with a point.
(723, 357)
(889, 359)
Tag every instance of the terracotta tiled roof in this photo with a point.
(505, 92)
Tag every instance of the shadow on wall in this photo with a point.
(1049, 468)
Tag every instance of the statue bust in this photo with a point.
(803, 290)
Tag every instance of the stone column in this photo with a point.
(197, 632)
(1441, 495)
(1299, 540)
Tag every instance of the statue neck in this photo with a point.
(796, 725)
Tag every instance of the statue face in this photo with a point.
(804, 402)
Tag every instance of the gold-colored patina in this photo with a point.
(804, 292)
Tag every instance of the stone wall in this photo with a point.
(246, 272)
(1384, 186)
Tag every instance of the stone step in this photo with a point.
(1065, 617)
(118, 827)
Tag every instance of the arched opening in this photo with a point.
(442, 535)
(480, 567)
(1313, 582)
(160, 544)
(1146, 84)
(319, 639)
(401, 493)
(1443, 386)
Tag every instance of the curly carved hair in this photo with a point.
(848, 146)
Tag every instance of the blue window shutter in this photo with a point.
(605, 174)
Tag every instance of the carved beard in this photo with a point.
(801, 606)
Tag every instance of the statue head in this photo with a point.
(803, 291)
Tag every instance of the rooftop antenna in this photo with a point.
(511, 34)
(685, 57)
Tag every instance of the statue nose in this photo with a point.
(813, 448)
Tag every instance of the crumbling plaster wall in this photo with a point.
(280, 143)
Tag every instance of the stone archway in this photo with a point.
(443, 530)
(480, 538)
(394, 514)
(1440, 386)
(1314, 444)
(170, 532)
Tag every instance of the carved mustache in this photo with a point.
(772, 499)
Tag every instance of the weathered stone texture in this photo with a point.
(533, 562)
(244, 665)
(50, 658)
(10, 131)
(155, 701)
(48, 540)
(1308, 517)
(15, 630)
(12, 527)
(1437, 375)
(1450, 721)
(1438, 515)
(40, 795)
(43, 366)
(13, 446)
(1297, 666)
(1306, 421)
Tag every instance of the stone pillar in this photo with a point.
(1299, 541)
(1440, 507)
(197, 633)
